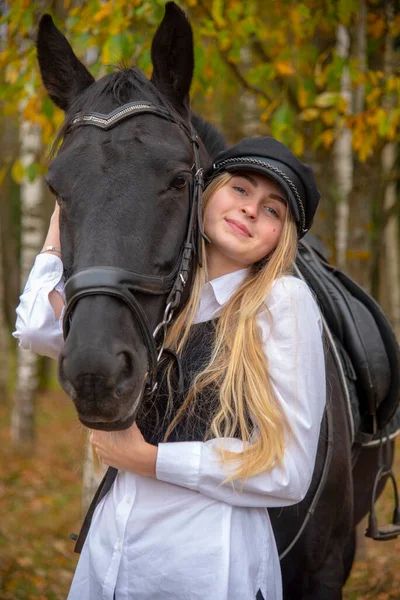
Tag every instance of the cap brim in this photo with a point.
(290, 198)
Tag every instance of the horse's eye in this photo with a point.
(54, 193)
(52, 190)
(179, 182)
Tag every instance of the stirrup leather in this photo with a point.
(392, 530)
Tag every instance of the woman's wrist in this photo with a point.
(149, 461)
(52, 242)
(51, 250)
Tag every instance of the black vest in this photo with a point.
(154, 416)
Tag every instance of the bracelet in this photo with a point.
(50, 249)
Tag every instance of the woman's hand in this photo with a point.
(126, 450)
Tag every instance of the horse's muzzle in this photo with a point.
(105, 387)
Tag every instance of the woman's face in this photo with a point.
(244, 220)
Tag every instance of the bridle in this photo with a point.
(121, 283)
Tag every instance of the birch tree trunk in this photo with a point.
(360, 54)
(4, 349)
(343, 156)
(4, 343)
(388, 162)
(22, 422)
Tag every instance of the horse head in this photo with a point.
(127, 177)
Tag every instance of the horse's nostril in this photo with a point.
(125, 378)
(126, 359)
(65, 384)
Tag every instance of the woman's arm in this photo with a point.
(53, 239)
(39, 313)
(296, 364)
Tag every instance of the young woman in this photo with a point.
(186, 518)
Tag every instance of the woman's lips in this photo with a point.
(239, 227)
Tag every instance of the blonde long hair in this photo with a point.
(238, 369)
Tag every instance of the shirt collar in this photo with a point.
(225, 285)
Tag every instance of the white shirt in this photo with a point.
(183, 535)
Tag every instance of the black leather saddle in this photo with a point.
(363, 330)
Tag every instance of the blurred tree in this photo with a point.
(32, 229)
(391, 202)
(5, 357)
(26, 172)
(342, 153)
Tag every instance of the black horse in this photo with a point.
(127, 190)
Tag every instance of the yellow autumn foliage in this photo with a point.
(290, 60)
(309, 114)
(284, 68)
(104, 11)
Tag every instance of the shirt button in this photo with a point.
(118, 547)
(128, 499)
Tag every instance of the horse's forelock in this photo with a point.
(120, 87)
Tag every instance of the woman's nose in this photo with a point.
(250, 210)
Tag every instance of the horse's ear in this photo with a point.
(63, 75)
(173, 58)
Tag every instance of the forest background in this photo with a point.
(323, 76)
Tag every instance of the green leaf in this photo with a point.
(18, 172)
(383, 124)
(81, 43)
(283, 116)
(32, 171)
(217, 11)
(346, 9)
(116, 47)
(48, 108)
(282, 123)
(334, 71)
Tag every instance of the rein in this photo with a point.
(121, 283)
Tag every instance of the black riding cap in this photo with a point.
(271, 158)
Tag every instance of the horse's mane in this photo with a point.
(126, 85)
(211, 137)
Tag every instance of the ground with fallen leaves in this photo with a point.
(40, 505)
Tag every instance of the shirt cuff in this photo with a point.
(48, 268)
(179, 463)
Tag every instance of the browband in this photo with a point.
(123, 112)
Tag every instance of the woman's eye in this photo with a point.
(239, 189)
(272, 211)
(179, 182)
